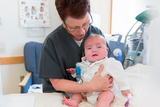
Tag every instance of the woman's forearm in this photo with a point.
(98, 84)
(70, 86)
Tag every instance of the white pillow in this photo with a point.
(35, 88)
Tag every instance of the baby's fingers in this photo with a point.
(69, 70)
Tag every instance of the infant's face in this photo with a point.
(95, 49)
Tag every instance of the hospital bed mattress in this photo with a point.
(138, 76)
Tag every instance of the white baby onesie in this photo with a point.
(111, 67)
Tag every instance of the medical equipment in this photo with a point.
(137, 37)
(116, 48)
(78, 74)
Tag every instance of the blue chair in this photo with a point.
(32, 52)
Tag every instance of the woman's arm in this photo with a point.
(98, 83)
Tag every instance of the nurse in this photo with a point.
(63, 48)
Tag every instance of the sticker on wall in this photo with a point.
(34, 13)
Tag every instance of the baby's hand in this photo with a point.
(71, 70)
(126, 92)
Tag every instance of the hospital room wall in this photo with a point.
(13, 37)
(124, 13)
(103, 9)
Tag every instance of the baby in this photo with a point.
(96, 54)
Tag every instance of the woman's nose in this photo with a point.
(81, 30)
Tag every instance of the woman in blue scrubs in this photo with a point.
(63, 48)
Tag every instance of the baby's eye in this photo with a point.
(88, 48)
(98, 46)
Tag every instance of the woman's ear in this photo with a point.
(61, 20)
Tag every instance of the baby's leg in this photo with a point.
(105, 98)
(76, 98)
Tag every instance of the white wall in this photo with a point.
(124, 13)
(102, 7)
(14, 38)
(1, 91)
(11, 32)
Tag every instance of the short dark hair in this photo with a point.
(74, 8)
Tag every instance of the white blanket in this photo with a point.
(17, 101)
(144, 81)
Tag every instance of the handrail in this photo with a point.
(11, 60)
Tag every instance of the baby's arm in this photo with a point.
(71, 70)
(126, 92)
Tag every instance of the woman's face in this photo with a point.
(77, 27)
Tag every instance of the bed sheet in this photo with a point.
(140, 77)
(55, 100)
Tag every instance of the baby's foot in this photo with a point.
(70, 103)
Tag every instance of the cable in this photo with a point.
(138, 45)
(126, 39)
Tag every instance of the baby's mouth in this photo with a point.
(95, 55)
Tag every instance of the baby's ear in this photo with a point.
(107, 49)
(83, 53)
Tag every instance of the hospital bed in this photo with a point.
(142, 78)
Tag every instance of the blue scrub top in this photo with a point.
(60, 52)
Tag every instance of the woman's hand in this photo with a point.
(99, 83)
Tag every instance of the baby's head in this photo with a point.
(95, 48)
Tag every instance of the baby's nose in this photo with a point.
(94, 49)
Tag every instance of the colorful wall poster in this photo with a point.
(34, 13)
